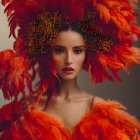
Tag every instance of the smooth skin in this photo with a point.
(71, 103)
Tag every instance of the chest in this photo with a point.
(69, 114)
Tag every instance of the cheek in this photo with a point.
(56, 60)
(80, 60)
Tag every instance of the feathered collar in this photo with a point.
(105, 121)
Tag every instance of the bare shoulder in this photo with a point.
(94, 99)
(98, 99)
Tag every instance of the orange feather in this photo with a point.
(103, 12)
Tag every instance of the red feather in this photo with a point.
(94, 125)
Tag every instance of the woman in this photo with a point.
(68, 54)
(51, 44)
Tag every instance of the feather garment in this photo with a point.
(105, 121)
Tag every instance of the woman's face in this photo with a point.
(68, 54)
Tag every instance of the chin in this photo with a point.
(70, 77)
(67, 76)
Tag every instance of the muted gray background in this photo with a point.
(127, 93)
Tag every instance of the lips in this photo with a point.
(68, 69)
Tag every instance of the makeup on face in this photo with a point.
(58, 49)
(68, 54)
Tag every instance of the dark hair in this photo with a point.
(74, 27)
(71, 25)
(65, 27)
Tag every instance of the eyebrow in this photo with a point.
(80, 46)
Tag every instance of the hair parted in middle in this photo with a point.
(41, 32)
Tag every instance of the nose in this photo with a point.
(68, 58)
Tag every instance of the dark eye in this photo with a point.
(58, 50)
(78, 51)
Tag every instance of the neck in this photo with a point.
(68, 88)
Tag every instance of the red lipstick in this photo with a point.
(68, 70)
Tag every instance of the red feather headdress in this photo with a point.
(114, 19)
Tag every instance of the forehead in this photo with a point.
(69, 39)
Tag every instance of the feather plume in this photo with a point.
(14, 69)
(115, 19)
(103, 12)
(94, 125)
(106, 116)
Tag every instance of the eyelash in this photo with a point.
(58, 51)
(78, 51)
